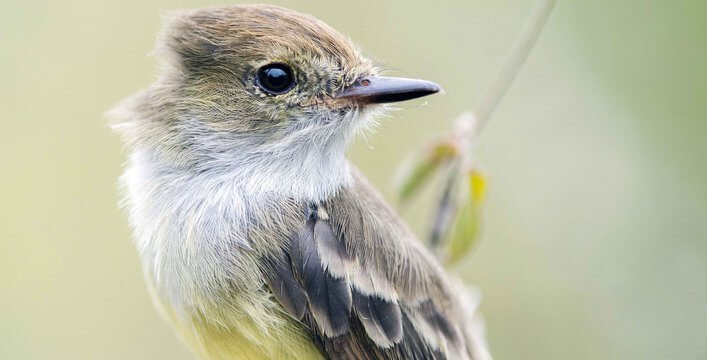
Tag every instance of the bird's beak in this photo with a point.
(381, 89)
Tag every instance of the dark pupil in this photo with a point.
(275, 78)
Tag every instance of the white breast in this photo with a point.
(190, 229)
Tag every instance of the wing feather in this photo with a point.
(329, 295)
(364, 286)
(381, 319)
(287, 290)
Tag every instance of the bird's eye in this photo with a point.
(276, 78)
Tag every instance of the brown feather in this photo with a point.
(353, 253)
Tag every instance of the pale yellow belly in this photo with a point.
(259, 333)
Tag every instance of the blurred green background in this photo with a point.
(595, 237)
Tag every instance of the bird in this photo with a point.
(258, 238)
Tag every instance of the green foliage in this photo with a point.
(423, 167)
(466, 228)
(457, 218)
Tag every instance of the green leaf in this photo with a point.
(424, 166)
(465, 232)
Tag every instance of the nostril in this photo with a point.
(365, 82)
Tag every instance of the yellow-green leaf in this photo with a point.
(477, 186)
(424, 167)
(465, 232)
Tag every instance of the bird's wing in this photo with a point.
(357, 277)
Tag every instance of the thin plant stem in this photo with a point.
(521, 49)
(470, 125)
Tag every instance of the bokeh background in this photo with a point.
(595, 227)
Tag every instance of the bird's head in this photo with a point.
(256, 80)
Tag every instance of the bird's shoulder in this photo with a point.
(354, 274)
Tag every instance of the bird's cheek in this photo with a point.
(328, 103)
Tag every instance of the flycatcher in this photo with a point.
(259, 240)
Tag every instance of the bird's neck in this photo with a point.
(300, 172)
(189, 226)
(204, 218)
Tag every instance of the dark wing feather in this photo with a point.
(382, 319)
(329, 296)
(281, 280)
(363, 286)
